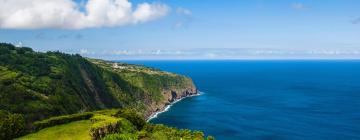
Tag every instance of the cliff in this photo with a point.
(169, 97)
(159, 88)
(40, 85)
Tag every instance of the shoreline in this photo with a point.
(167, 107)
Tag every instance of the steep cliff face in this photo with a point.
(170, 96)
(156, 89)
(40, 85)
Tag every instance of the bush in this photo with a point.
(133, 117)
(210, 138)
(61, 120)
(197, 135)
(11, 125)
(125, 136)
(159, 131)
(22, 50)
(104, 125)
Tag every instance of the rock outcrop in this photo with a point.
(171, 96)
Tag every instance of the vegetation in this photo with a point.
(41, 85)
(107, 125)
(61, 120)
(132, 116)
(11, 125)
(78, 130)
(35, 86)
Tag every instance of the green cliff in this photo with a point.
(39, 85)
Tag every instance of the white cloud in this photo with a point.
(298, 6)
(183, 11)
(225, 53)
(184, 18)
(146, 12)
(84, 51)
(66, 14)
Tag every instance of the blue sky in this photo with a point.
(213, 29)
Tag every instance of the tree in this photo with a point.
(11, 125)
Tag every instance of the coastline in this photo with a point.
(167, 107)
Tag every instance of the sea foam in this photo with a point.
(156, 114)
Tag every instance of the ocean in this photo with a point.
(268, 99)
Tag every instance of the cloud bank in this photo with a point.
(67, 14)
(224, 53)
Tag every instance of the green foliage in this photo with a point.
(41, 85)
(133, 117)
(100, 120)
(121, 136)
(61, 120)
(162, 132)
(104, 123)
(107, 112)
(126, 126)
(78, 130)
(107, 125)
(11, 125)
(210, 138)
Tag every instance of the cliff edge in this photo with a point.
(40, 85)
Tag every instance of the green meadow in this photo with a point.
(78, 130)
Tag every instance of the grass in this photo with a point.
(78, 130)
(108, 123)
(102, 120)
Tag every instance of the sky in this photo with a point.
(186, 29)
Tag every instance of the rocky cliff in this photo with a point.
(170, 96)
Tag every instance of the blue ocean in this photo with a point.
(265, 100)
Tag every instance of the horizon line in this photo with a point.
(245, 59)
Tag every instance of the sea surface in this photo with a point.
(265, 100)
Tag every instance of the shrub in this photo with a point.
(210, 138)
(160, 132)
(11, 125)
(61, 120)
(125, 136)
(133, 117)
(104, 125)
(197, 135)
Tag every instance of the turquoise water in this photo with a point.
(268, 99)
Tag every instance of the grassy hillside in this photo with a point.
(35, 86)
(71, 131)
(49, 84)
(143, 88)
(111, 125)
